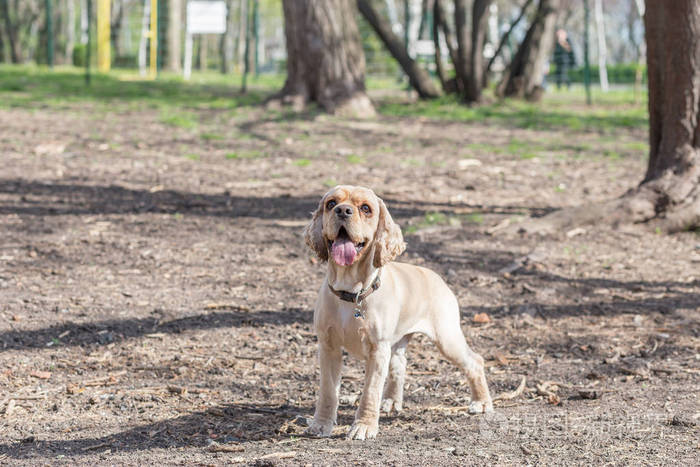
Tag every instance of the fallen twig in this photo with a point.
(216, 447)
(279, 455)
(512, 394)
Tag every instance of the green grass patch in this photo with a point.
(435, 218)
(558, 110)
(244, 155)
(637, 146)
(302, 162)
(211, 136)
(180, 120)
(330, 183)
(354, 159)
(192, 157)
(38, 87)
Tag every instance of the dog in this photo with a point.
(371, 306)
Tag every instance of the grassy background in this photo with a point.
(38, 87)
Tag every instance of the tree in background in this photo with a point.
(417, 76)
(669, 195)
(671, 188)
(325, 60)
(523, 77)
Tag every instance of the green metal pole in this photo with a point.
(89, 42)
(586, 62)
(256, 32)
(49, 32)
(163, 11)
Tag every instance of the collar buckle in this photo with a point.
(358, 298)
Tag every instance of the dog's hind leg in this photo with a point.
(451, 342)
(393, 391)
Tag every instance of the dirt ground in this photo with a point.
(156, 295)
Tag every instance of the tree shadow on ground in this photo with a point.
(108, 331)
(56, 199)
(239, 422)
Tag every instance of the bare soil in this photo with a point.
(156, 296)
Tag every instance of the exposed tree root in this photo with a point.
(357, 105)
(657, 204)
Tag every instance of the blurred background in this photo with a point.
(58, 33)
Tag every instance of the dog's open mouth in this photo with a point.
(343, 249)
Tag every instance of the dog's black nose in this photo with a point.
(343, 211)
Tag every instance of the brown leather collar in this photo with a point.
(358, 297)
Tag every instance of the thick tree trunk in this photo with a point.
(672, 182)
(469, 66)
(524, 75)
(669, 195)
(474, 84)
(419, 78)
(325, 60)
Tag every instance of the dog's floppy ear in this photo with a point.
(388, 238)
(313, 233)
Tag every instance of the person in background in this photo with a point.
(563, 58)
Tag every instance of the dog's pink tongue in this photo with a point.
(343, 251)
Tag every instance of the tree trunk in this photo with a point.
(469, 66)
(439, 67)
(602, 46)
(441, 20)
(474, 84)
(227, 39)
(116, 22)
(463, 45)
(524, 75)
(325, 60)
(671, 186)
(419, 78)
(669, 195)
(12, 31)
(504, 40)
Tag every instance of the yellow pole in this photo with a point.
(154, 39)
(104, 52)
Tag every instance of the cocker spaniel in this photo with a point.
(371, 306)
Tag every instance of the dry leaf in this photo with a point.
(482, 318)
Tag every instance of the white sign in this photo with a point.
(206, 17)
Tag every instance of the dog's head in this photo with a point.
(350, 222)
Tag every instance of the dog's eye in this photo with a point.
(330, 204)
(366, 209)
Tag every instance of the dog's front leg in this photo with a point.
(366, 423)
(331, 360)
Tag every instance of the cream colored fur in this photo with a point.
(410, 300)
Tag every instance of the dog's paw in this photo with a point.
(319, 429)
(362, 431)
(477, 407)
(388, 404)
